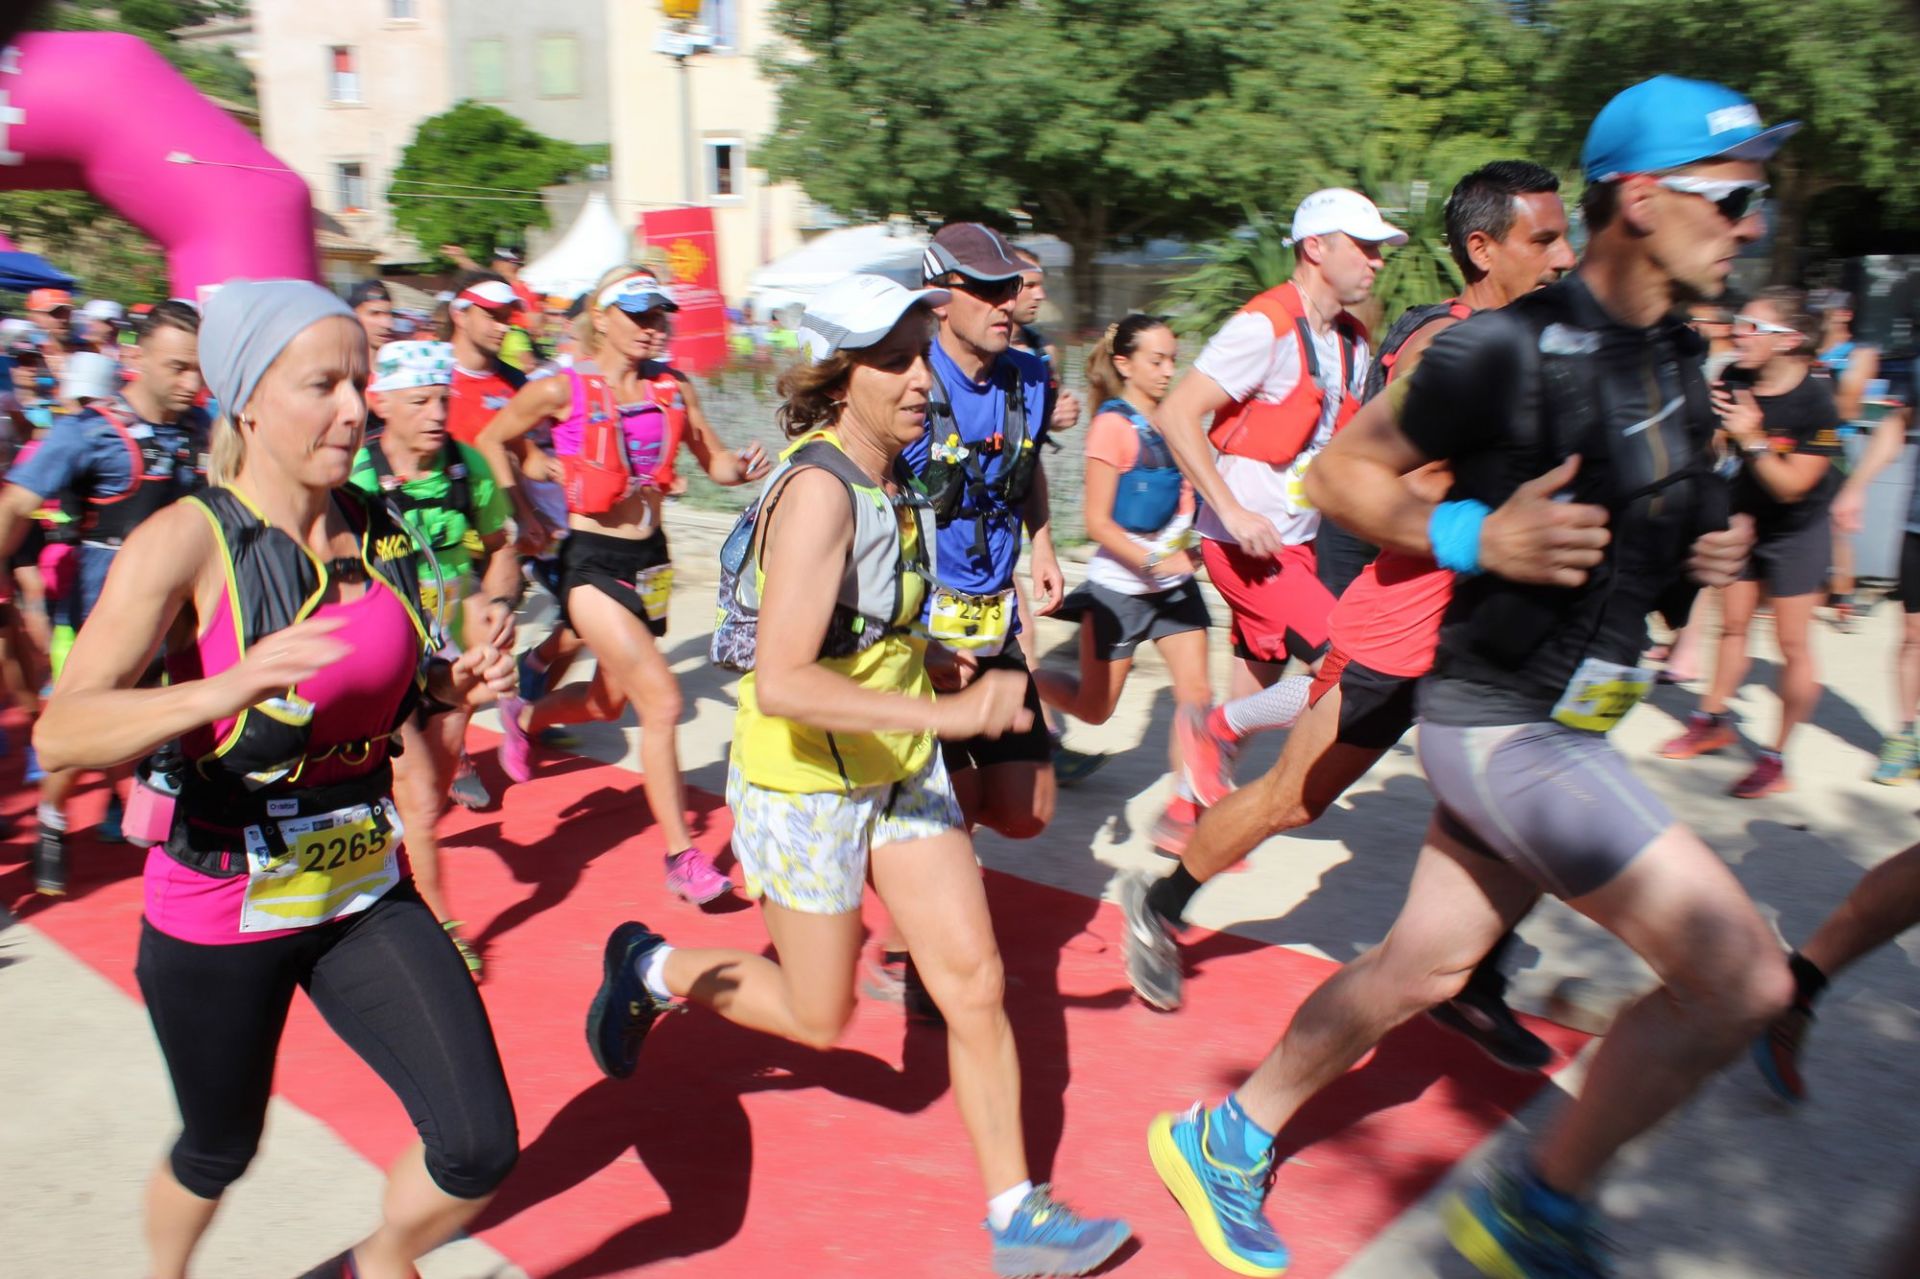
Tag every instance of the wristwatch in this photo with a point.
(1757, 448)
(1154, 560)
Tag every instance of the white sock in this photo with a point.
(51, 818)
(1001, 1207)
(652, 971)
(1275, 707)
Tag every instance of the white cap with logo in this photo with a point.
(1337, 209)
(859, 311)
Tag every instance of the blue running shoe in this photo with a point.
(108, 831)
(533, 683)
(34, 773)
(623, 1009)
(1046, 1237)
(1224, 1203)
(1503, 1231)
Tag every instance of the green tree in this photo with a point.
(472, 177)
(1090, 121)
(1845, 67)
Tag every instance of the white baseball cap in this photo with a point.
(858, 311)
(1348, 212)
(90, 376)
(103, 309)
(489, 295)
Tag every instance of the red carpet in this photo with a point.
(731, 1154)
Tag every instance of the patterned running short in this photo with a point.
(808, 851)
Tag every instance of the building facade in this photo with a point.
(678, 143)
(545, 63)
(342, 87)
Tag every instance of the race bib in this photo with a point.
(655, 587)
(1296, 481)
(335, 864)
(1600, 694)
(979, 623)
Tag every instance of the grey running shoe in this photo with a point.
(1153, 957)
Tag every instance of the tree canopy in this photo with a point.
(472, 176)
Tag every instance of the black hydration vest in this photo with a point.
(459, 498)
(255, 770)
(161, 476)
(961, 490)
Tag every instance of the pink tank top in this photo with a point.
(353, 700)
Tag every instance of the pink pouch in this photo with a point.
(59, 568)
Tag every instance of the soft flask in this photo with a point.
(156, 787)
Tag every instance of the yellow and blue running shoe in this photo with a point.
(1224, 1201)
(1046, 1237)
(1513, 1227)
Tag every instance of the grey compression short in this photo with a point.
(1559, 805)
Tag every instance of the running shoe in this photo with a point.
(1171, 833)
(1705, 734)
(1071, 767)
(533, 680)
(1485, 1019)
(468, 955)
(1768, 777)
(50, 863)
(558, 737)
(917, 999)
(1226, 1204)
(1777, 1053)
(1153, 956)
(1206, 759)
(692, 877)
(467, 789)
(1899, 760)
(516, 749)
(893, 979)
(1502, 1230)
(623, 1009)
(1843, 615)
(34, 774)
(108, 831)
(1046, 1237)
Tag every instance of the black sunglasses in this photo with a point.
(992, 292)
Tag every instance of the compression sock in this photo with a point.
(1233, 1137)
(1275, 707)
(1168, 898)
(1001, 1207)
(1809, 983)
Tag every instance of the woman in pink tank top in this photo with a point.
(295, 650)
(618, 417)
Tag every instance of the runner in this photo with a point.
(1883, 905)
(1278, 379)
(239, 906)
(980, 457)
(1507, 231)
(1536, 661)
(372, 305)
(134, 450)
(52, 310)
(834, 771)
(1851, 367)
(1788, 431)
(1139, 512)
(621, 418)
(468, 576)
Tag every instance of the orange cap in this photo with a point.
(48, 299)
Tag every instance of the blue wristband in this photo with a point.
(1454, 531)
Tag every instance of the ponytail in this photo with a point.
(1103, 375)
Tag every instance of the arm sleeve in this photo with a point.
(58, 462)
(1463, 395)
(1112, 439)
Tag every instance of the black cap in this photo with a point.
(368, 291)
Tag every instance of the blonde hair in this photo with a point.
(226, 451)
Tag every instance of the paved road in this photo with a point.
(1736, 1188)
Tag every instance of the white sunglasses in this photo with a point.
(1752, 325)
(1734, 197)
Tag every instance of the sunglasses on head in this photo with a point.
(1733, 197)
(992, 292)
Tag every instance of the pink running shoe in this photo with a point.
(1205, 759)
(516, 748)
(692, 877)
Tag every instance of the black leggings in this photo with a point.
(389, 982)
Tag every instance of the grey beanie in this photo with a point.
(246, 325)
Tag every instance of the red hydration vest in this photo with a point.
(598, 476)
(1275, 433)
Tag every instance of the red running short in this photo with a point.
(1280, 606)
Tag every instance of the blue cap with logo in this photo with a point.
(1667, 122)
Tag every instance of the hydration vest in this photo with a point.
(160, 476)
(274, 581)
(599, 475)
(881, 587)
(458, 502)
(957, 487)
(1148, 492)
(1411, 321)
(1275, 433)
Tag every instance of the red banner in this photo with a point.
(685, 236)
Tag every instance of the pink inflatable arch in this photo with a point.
(103, 112)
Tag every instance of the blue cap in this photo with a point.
(1667, 122)
(638, 294)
